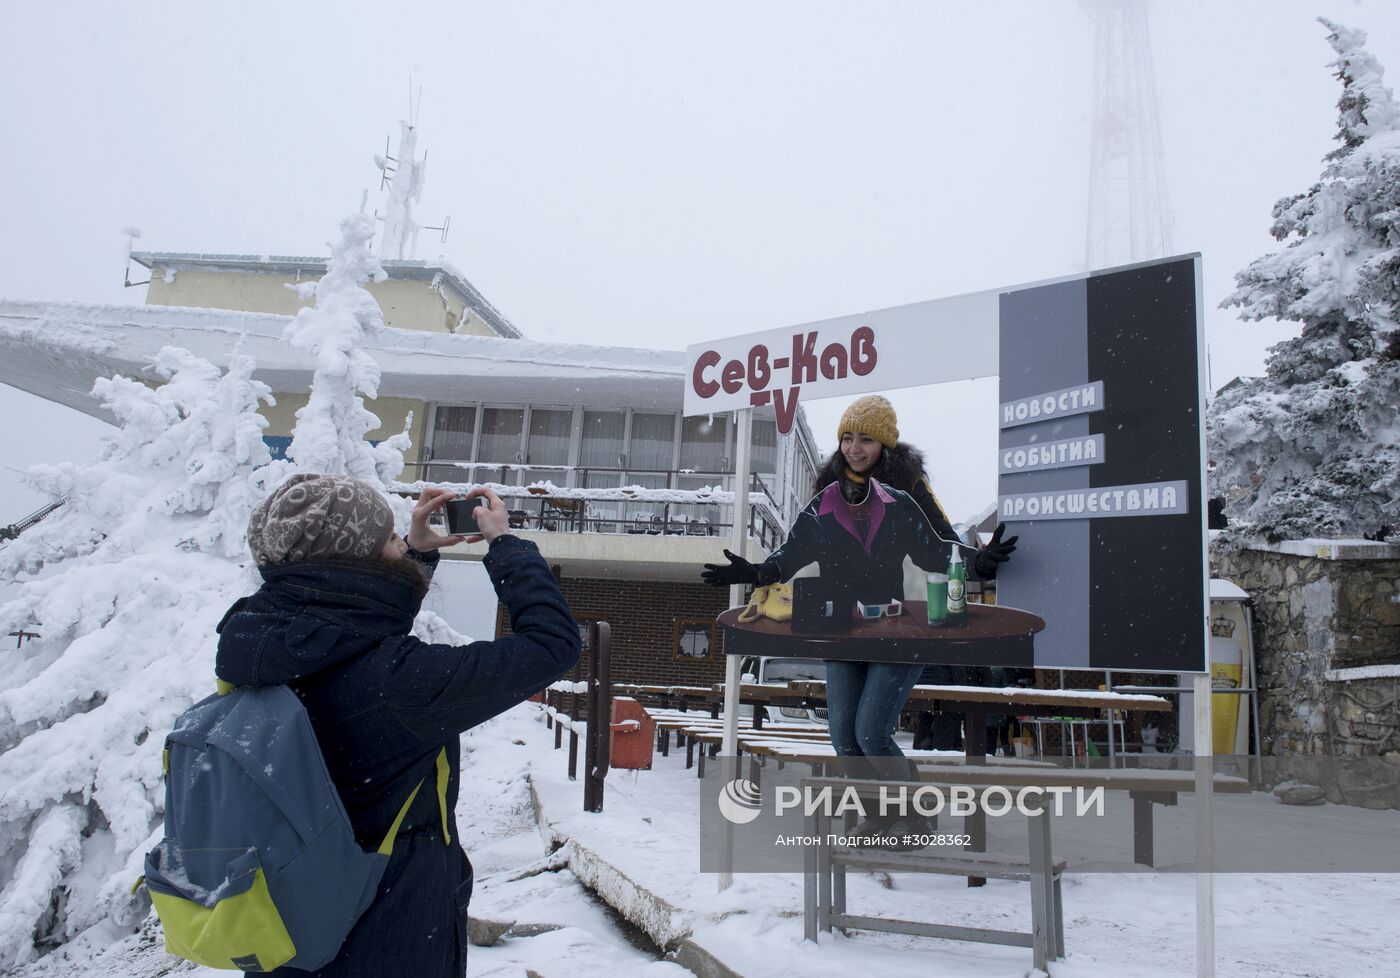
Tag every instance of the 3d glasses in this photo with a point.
(891, 609)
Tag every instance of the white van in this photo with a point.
(777, 671)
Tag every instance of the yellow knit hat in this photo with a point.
(871, 415)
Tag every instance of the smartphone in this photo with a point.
(459, 515)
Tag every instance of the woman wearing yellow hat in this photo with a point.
(872, 506)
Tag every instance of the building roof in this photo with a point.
(424, 271)
(57, 349)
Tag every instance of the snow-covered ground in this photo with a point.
(497, 822)
(1118, 925)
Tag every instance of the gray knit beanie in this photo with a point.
(312, 517)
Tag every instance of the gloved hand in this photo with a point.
(995, 553)
(737, 571)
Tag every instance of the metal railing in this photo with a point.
(568, 511)
(595, 718)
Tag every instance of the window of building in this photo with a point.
(806, 476)
(601, 446)
(550, 432)
(765, 447)
(454, 429)
(703, 442)
(694, 638)
(653, 442)
(499, 445)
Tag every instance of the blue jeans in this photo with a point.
(863, 701)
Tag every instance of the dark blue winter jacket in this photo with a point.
(383, 705)
(872, 563)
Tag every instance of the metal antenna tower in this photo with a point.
(404, 176)
(1129, 215)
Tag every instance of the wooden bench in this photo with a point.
(710, 742)
(983, 866)
(677, 725)
(824, 886)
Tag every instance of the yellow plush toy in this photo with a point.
(769, 601)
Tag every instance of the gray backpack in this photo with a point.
(259, 867)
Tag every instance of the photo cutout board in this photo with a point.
(1101, 448)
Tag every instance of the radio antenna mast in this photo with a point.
(404, 176)
(1129, 214)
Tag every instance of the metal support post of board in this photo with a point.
(1203, 705)
(742, 436)
(1205, 835)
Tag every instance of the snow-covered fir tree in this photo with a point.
(124, 585)
(330, 430)
(143, 557)
(1313, 447)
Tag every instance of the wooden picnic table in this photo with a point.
(668, 722)
(977, 701)
(707, 738)
(1015, 699)
(712, 697)
(652, 689)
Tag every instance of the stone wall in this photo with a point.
(1327, 644)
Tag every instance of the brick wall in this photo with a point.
(643, 615)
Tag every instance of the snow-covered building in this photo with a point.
(515, 414)
(268, 283)
(587, 442)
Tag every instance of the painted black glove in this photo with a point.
(996, 552)
(737, 571)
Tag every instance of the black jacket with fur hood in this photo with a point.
(902, 468)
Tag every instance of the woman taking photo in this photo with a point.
(872, 506)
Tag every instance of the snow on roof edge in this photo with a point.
(493, 316)
(632, 360)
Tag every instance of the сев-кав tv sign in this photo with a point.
(881, 350)
(1101, 454)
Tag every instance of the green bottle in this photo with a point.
(957, 589)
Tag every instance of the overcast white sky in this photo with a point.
(650, 174)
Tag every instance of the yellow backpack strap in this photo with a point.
(444, 771)
(223, 688)
(386, 848)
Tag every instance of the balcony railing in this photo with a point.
(625, 509)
